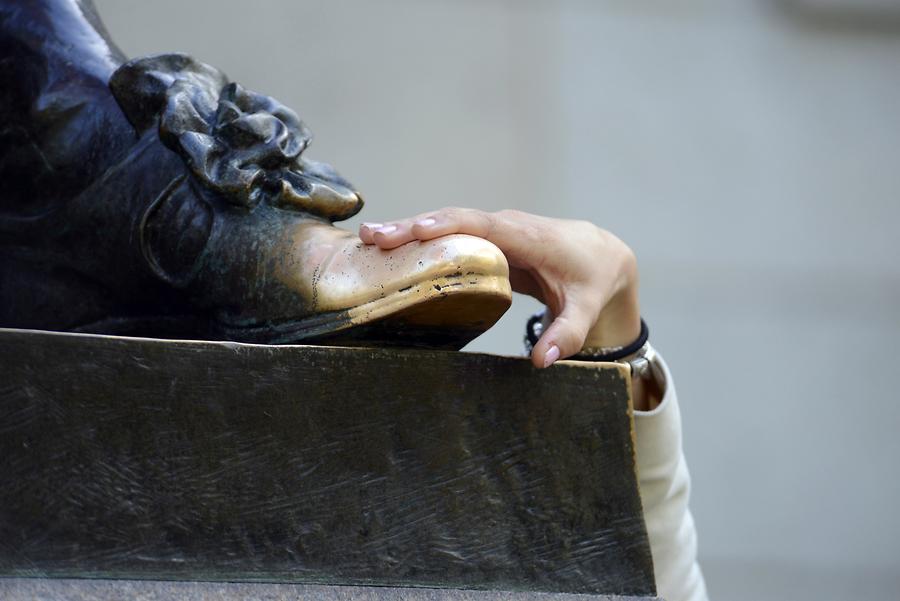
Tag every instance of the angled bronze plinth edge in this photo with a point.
(144, 459)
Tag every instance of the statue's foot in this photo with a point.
(440, 294)
(213, 225)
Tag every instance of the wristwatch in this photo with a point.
(646, 365)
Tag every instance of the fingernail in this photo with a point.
(386, 229)
(551, 356)
(372, 226)
(427, 222)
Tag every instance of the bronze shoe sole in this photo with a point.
(445, 312)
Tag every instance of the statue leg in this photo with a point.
(60, 129)
(61, 126)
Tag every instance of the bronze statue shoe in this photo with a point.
(440, 293)
(209, 223)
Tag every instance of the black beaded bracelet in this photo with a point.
(533, 333)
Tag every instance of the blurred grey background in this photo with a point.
(748, 151)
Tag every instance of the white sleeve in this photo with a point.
(665, 487)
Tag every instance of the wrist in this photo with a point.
(619, 322)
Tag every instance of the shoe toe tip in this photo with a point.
(470, 253)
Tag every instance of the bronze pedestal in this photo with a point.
(148, 460)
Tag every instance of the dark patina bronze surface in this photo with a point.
(131, 458)
(155, 197)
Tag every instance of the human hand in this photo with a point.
(586, 276)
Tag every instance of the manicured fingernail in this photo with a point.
(551, 356)
(387, 229)
(427, 222)
(372, 226)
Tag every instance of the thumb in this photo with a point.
(565, 336)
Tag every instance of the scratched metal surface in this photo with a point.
(168, 460)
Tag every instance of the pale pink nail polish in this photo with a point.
(427, 222)
(551, 356)
(387, 229)
(372, 226)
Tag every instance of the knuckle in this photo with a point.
(510, 214)
(586, 225)
(489, 224)
(531, 230)
(627, 260)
